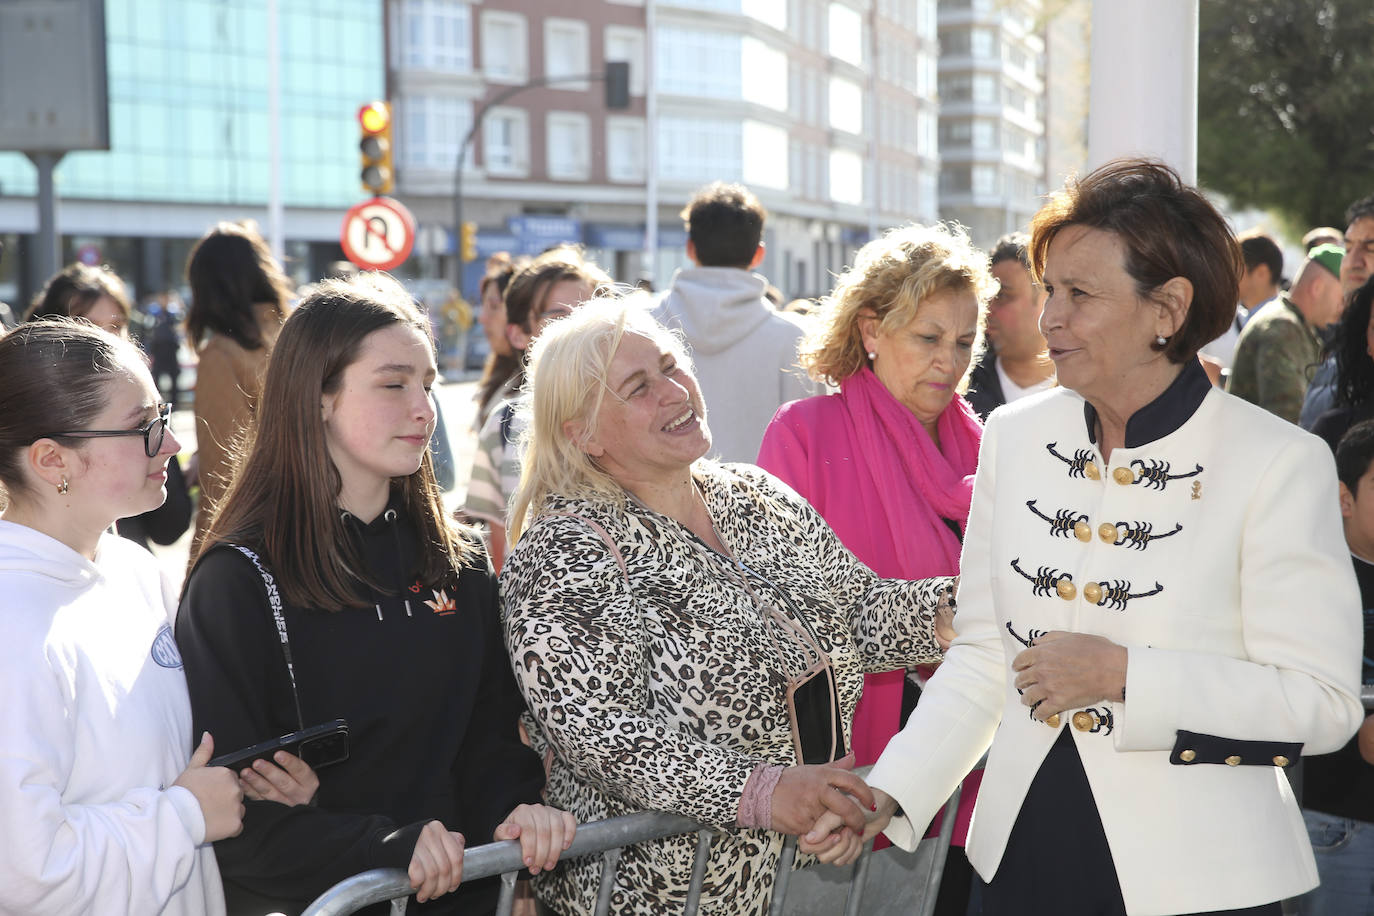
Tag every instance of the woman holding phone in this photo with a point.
(331, 586)
(100, 810)
(691, 636)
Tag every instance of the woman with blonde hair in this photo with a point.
(888, 461)
(690, 636)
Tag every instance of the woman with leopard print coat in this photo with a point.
(658, 605)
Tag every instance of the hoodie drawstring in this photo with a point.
(390, 516)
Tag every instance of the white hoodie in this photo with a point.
(744, 350)
(95, 725)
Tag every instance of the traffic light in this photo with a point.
(467, 242)
(377, 174)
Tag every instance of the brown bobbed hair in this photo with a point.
(285, 489)
(528, 290)
(888, 280)
(499, 367)
(52, 377)
(230, 270)
(72, 291)
(1168, 230)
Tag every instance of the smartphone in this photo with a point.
(318, 745)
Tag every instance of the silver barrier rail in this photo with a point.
(608, 837)
(1367, 695)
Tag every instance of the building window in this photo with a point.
(846, 177)
(765, 155)
(982, 43)
(432, 127)
(568, 144)
(624, 149)
(565, 53)
(763, 71)
(505, 47)
(698, 150)
(626, 44)
(984, 180)
(985, 88)
(506, 142)
(845, 35)
(846, 105)
(434, 35)
(984, 134)
(769, 12)
(697, 62)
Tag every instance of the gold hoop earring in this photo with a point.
(63, 487)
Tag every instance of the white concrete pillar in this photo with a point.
(1143, 99)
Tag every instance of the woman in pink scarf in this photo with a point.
(889, 460)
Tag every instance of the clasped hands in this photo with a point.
(830, 808)
(1058, 671)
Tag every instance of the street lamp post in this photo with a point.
(616, 77)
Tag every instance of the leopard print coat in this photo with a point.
(661, 687)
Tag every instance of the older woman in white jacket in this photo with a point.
(1157, 614)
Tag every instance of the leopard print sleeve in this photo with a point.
(577, 640)
(892, 621)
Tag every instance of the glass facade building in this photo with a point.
(188, 104)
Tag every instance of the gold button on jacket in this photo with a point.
(1053, 721)
(1188, 756)
(1083, 531)
(1123, 476)
(1066, 589)
(1107, 531)
(1092, 471)
(1093, 592)
(1233, 761)
(1281, 761)
(1083, 721)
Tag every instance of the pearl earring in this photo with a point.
(872, 356)
(63, 487)
(1161, 340)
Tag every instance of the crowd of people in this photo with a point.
(714, 556)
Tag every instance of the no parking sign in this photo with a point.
(378, 234)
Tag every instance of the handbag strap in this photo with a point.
(274, 602)
(605, 538)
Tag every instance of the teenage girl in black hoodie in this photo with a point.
(391, 618)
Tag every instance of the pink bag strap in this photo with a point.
(605, 537)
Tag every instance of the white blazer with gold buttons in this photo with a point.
(1215, 555)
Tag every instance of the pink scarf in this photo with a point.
(921, 484)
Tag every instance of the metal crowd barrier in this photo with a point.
(607, 838)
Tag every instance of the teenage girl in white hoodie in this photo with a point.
(100, 810)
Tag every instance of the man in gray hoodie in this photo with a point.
(745, 351)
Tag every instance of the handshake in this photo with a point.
(831, 809)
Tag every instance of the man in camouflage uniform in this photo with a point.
(1279, 348)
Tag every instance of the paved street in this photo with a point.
(455, 400)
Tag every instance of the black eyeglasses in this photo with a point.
(152, 433)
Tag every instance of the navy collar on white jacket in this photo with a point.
(1166, 413)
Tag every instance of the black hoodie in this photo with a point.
(421, 675)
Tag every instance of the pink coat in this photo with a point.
(856, 456)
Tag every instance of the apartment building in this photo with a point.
(992, 114)
(825, 108)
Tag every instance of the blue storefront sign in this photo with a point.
(537, 233)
